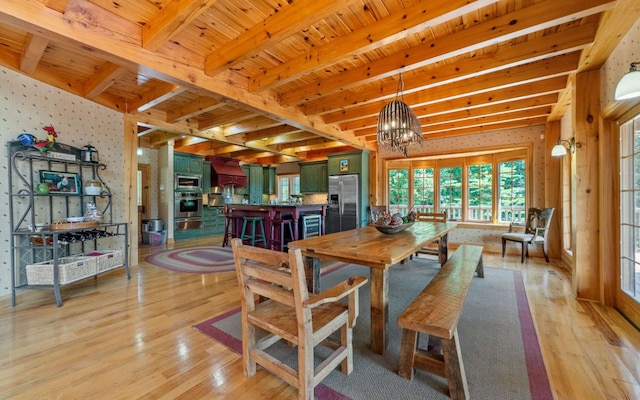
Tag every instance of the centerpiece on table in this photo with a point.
(394, 223)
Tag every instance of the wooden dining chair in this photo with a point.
(434, 247)
(536, 230)
(287, 311)
(376, 212)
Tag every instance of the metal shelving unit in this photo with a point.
(32, 214)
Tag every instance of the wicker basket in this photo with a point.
(106, 259)
(70, 269)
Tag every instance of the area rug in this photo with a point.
(194, 260)
(500, 350)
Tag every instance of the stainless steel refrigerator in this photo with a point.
(342, 211)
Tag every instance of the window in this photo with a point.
(288, 185)
(480, 192)
(399, 191)
(451, 192)
(630, 207)
(512, 200)
(485, 187)
(424, 189)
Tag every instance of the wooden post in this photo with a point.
(553, 187)
(130, 173)
(586, 114)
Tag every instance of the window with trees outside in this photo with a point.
(480, 192)
(487, 188)
(630, 208)
(288, 185)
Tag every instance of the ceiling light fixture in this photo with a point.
(560, 150)
(629, 85)
(139, 151)
(398, 126)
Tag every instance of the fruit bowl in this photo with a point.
(391, 229)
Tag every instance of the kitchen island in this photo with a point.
(235, 212)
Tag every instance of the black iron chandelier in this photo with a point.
(398, 126)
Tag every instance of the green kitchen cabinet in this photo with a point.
(348, 163)
(254, 188)
(244, 190)
(206, 176)
(256, 177)
(187, 164)
(269, 180)
(314, 177)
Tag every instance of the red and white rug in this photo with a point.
(195, 260)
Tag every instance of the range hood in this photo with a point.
(226, 171)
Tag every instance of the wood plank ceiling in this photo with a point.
(270, 81)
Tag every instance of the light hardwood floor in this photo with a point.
(119, 339)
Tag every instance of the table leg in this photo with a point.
(312, 273)
(379, 297)
(443, 249)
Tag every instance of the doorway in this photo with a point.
(143, 187)
(628, 291)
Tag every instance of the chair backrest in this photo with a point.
(272, 274)
(311, 225)
(431, 217)
(376, 212)
(538, 221)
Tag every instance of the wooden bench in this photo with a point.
(435, 312)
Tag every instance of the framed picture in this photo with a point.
(344, 165)
(61, 182)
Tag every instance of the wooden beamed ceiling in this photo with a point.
(270, 82)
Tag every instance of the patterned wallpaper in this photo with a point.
(618, 63)
(26, 105)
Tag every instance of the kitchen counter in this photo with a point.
(274, 211)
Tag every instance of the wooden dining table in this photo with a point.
(379, 251)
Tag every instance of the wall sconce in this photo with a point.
(629, 85)
(560, 150)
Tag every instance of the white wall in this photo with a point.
(26, 105)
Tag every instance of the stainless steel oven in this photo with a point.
(188, 210)
(188, 182)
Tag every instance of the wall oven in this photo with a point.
(188, 210)
(188, 182)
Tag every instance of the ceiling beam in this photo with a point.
(537, 71)
(224, 118)
(119, 41)
(170, 20)
(193, 109)
(103, 79)
(536, 17)
(32, 52)
(498, 96)
(156, 95)
(285, 21)
(249, 125)
(280, 130)
(397, 26)
(429, 115)
(57, 5)
(506, 57)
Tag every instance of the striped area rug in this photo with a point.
(194, 260)
(498, 341)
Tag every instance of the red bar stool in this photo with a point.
(278, 226)
(231, 227)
